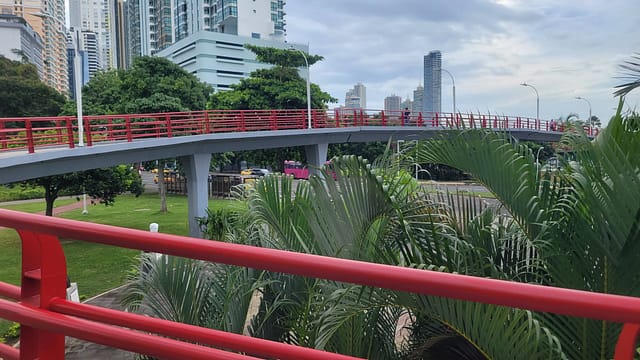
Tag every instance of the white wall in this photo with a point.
(10, 40)
(254, 16)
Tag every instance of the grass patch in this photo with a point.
(95, 267)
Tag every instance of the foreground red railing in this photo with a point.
(40, 132)
(46, 316)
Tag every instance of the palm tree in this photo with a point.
(632, 68)
(583, 224)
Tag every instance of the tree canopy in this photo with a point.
(22, 92)
(101, 184)
(279, 87)
(152, 84)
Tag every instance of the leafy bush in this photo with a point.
(11, 193)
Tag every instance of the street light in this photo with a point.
(308, 85)
(454, 90)
(588, 102)
(537, 99)
(77, 77)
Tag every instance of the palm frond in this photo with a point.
(632, 76)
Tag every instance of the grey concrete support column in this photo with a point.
(316, 156)
(196, 169)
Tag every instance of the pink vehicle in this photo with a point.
(296, 169)
(299, 171)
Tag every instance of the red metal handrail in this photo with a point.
(37, 132)
(42, 309)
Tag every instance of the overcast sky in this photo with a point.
(563, 48)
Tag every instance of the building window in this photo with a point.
(255, 35)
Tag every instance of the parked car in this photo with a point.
(259, 172)
(255, 172)
(169, 176)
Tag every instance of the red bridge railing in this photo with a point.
(38, 132)
(46, 316)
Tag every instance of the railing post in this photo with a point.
(167, 122)
(243, 126)
(420, 120)
(337, 117)
(626, 346)
(127, 126)
(29, 133)
(87, 131)
(3, 136)
(69, 127)
(207, 127)
(273, 120)
(437, 120)
(44, 278)
(110, 129)
(384, 118)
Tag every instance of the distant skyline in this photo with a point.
(564, 49)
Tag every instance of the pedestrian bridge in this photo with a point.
(28, 144)
(43, 146)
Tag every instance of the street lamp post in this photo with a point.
(588, 102)
(537, 99)
(454, 89)
(308, 85)
(77, 77)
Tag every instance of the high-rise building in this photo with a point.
(221, 59)
(132, 30)
(417, 105)
(89, 44)
(97, 16)
(261, 19)
(432, 100)
(46, 17)
(356, 98)
(18, 36)
(392, 103)
(84, 63)
(119, 34)
(164, 22)
(210, 36)
(407, 104)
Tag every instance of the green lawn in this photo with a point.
(95, 267)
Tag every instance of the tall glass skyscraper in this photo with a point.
(432, 100)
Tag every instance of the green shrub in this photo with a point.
(13, 333)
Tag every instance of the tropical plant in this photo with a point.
(582, 222)
(632, 69)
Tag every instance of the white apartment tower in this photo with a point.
(356, 98)
(47, 18)
(417, 105)
(97, 16)
(392, 103)
(164, 22)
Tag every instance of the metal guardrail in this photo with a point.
(46, 316)
(32, 133)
